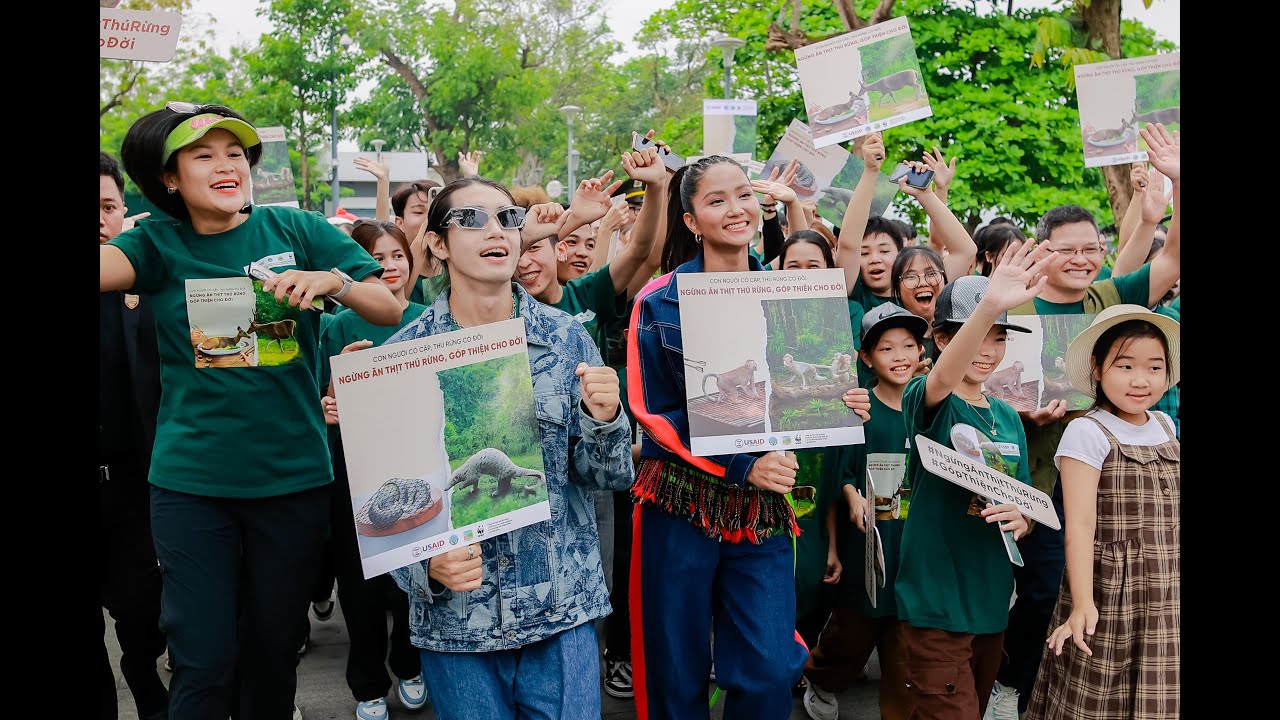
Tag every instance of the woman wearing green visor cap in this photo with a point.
(238, 505)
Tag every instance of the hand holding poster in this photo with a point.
(272, 178)
(1033, 372)
(1119, 97)
(768, 358)
(873, 557)
(861, 82)
(826, 175)
(963, 470)
(729, 127)
(975, 443)
(426, 472)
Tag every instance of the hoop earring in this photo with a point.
(172, 190)
(697, 239)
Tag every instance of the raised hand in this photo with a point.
(1018, 276)
(774, 191)
(459, 569)
(592, 199)
(810, 211)
(644, 165)
(1138, 177)
(617, 216)
(1154, 199)
(381, 171)
(541, 221)
(129, 222)
(872, 152)
(1164, 150)
(469, 163)
(943, 173)
(600, 391)
(914, 192)
(774, 472)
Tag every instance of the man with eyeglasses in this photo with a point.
(1072, 288)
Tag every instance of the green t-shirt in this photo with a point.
(953, 573)
(591, 301)
(348, 327)
(886, 442)
(1134, 288)
(238, 418)
(811, 546)
(1104, 273)
(426, 290)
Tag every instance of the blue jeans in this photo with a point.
(555, 679)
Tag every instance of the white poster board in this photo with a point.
(419, 485)
(768, 358)
(974, 475)
(729, 127)
(150, 35)
(1117, 98)
(862, 82)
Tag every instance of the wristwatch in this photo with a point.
(346, 284)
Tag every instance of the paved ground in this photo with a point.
(323, 694)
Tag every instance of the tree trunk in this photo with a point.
(783, 39)
(1102, 23)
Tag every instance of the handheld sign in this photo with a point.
(1118, 97)
(150, 35)
(970, 441)
(873, 560)
(1033, 372)
(728, 127)
(962, 470)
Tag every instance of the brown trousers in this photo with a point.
(950, 674)
(843, 649)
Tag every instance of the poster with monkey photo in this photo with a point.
(768, 358)
(441, 441)
(1034, 370)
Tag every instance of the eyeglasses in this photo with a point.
(510, 217)
(911, 281)
(804, 500)
(1091, 251)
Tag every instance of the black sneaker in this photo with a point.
(617, 681)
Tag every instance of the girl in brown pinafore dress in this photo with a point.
(1118, 657)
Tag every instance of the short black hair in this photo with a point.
(1063, 215)
(143, 155)
(107, 165)
(401, 196)
(881, 224)
(806, 236)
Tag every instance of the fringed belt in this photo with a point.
(724, 512)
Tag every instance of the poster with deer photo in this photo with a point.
(862, 82)
(1118, 98)
(826, 175)
(272, 177)
(1034, 370)
(768, 357)
(729, 127)
(442, 444)
(234, 323)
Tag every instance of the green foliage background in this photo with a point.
(490, 404)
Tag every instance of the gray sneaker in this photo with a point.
(820, 704)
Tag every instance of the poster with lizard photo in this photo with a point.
(441, 441)
(729, 127)
(272, 177)
(1118, 98)
(825, 175)
(767, 359)
(862, 82)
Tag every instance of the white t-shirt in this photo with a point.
(1085, 441)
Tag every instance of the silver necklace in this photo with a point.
(991, 425)
(515, 305)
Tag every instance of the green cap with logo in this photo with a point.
(196, 127)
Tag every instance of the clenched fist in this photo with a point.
(774, 472)
(600, 391)
(459, 570)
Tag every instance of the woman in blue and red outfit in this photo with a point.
(711, 535)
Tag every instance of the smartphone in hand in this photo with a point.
(919, 180)
(673, 161)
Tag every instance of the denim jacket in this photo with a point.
(655, 379)
(547, 577)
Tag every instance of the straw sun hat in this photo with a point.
(1080, 351)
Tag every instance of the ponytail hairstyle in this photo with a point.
(812, 237)
(682, 246)
(444, 203)
(367, 233)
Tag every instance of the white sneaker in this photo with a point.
(820, 704)
(412, 692)
(1003, 704)
(297, 713)
(371, 709)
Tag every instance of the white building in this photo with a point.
(405, 167)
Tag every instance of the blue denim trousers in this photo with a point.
(555, 679)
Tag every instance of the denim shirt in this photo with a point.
(547, 577)
(655, 379)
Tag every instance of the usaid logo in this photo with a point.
(434, 545)
(755, 442)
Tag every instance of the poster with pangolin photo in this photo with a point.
(441, 442)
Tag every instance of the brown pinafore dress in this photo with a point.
(1134, 671)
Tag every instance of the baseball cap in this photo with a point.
(196, 127)
(632, 190)
(1080, 370)
(887, 316)
(960, 298)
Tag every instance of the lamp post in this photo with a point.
(377, 147)
(571, 112)
(727, 45)
(334, 42)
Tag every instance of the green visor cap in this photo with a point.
(197, 127)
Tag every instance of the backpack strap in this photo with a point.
(1101, 295)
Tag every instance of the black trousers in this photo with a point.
(365, 603)
(1037, 583)
(617, 629)
(237, 576)
(129, 588)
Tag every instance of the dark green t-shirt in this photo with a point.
(886, 441)
(1134, 288)
(953, 573)
(240, 413)
(591, 301)
(426, 290)
(811, 546)
(347, 327)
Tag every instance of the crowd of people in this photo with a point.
(227, 513)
